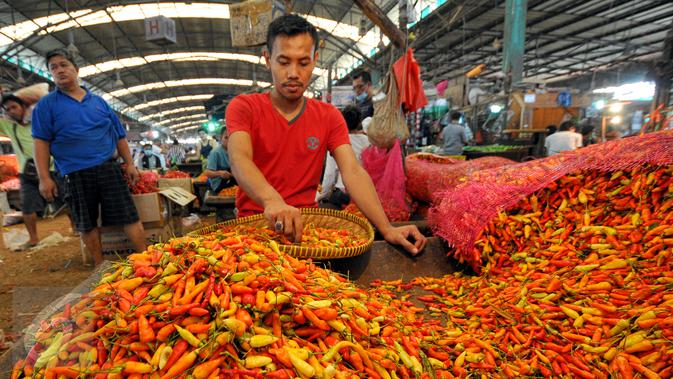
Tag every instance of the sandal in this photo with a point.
(25, 246)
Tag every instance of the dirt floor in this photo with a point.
(30, 280)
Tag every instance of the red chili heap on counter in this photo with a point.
(231, 305)
(578, 282)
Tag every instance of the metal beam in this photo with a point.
(380, 19)
(515, 39)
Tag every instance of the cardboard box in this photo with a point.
(249, 21)
(114, 240)
(149, 207)
(184, 183)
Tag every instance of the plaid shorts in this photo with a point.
(100, 187)
(32, 201)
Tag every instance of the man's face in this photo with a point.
(63, 71)
(223, 140)
(291, 63)
(359, 86)
(14, 110)
(203, 136)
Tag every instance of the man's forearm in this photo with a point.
(251, 180)
(42, 158)
(124, 151)
(361, 189)
(214, 173)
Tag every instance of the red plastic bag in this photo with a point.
(409, 83)
(387, 172)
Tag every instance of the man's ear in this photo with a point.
(267, 58)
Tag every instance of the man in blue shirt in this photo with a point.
(83, 134)
(218, 169)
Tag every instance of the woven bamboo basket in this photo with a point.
(325, 218)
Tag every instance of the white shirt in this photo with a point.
(332, 177)
(562, 141)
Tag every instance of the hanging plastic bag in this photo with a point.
(409, 83)
(387, 172)
(388, 123)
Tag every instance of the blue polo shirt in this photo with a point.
(81, 134)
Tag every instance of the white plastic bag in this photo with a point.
(15, 238)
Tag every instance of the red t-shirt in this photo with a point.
(290, 155)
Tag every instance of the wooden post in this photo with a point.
(374, 13)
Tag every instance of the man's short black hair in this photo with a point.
(455, 116)
(551, 129)
(147, 145)
(353, 117)
(11, 97)
(566, 125)
(290, 25)
(175, 141)
(223, 132)
(362, 74)
(60, 52)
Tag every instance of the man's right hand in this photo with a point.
(284, 219)
(48, 189)
(224, 174)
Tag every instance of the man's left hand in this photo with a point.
(132, 173)
(400, 236)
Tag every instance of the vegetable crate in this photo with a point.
(114, 240)
(150, 207)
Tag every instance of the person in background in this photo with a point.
(453, 136)
(175, 154)
(204, 145)
(84, 135)
(278, 142)
(565, 139)
(158, 150)
(218, 169)
(149, 160)
(19, 132)
(588, 135)
(333, 189)
(362, 87)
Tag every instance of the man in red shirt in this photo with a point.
(278, 142)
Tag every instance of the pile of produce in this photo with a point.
(432, 158)
(425, 178)
(147, 182)
(229, 192)
(175, 174)
(201, 178)
(231, 304)
(12, 184)
(312, 237)
(490, 148)
(577, 282)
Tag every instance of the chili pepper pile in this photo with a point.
(432, 158)
(229, 192)
(231, 305)
(312, 237)
(201, 178)
(147, 182)
(427, 177)
(577, 282)
(175, 174)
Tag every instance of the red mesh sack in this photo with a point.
(463, 212)
(387, 172)
(428, 175)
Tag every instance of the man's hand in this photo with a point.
(400, 236)
(284, 219)
(224, 174)
(48, 189)
(133, 174)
